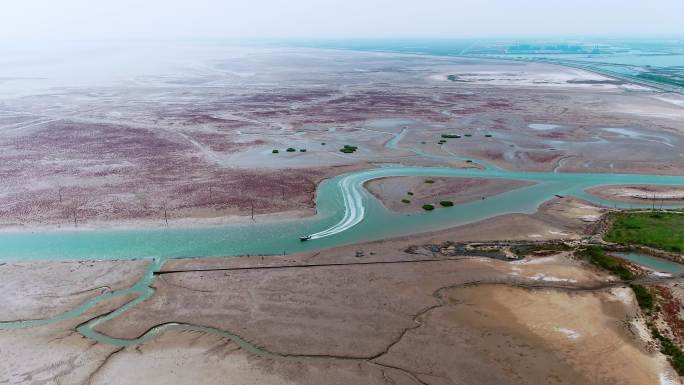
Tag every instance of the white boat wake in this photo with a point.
(354, 211)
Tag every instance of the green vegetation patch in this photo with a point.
(540, 248)
(644, 298)
(450, 136)
(446, 203)
(410, 193)
(406, 201)
(290, 149)
(347, 149)
(429, 181)
(669, 348)
(661, 230)
(428, 207)
(598, 257)
(275, 151)
(302, 150)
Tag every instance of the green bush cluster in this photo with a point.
(347, 149)
(428, 207)
(669, 348)
(450, 136)
(446, 203)
(644, 298)
(598, 257)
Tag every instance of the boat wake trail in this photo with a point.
(354, 210)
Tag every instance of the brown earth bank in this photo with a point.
(673, 195)
(431, 190)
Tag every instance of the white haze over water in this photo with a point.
(152, 19)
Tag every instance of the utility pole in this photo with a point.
(166, 217)
(74, 212)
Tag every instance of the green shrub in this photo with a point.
(598, 257)
(290, 149)
(450, 136)
(347, 149)
(670, 349)
(644, 298)
(275, 151)
(406, 201)
(410, 193)
(302, 150)
(428, 207)
(429, 181)
(488, 135)
(446, 203)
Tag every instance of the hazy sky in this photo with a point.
(84, 19)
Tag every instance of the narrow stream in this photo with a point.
(652, 263)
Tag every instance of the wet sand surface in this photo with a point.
(428, 190)
(35, 290)
(199, 150)
(386, 317)
(641, 194)
(376, 313)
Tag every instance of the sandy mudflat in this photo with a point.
(402, 320)
(55, 353)
(33, 290)
(642, 194)
(386, 315)
(391, 191)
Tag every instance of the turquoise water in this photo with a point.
(653, 263)
(283, 236)
(629, 59)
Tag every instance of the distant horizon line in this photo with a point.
(547, 37)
